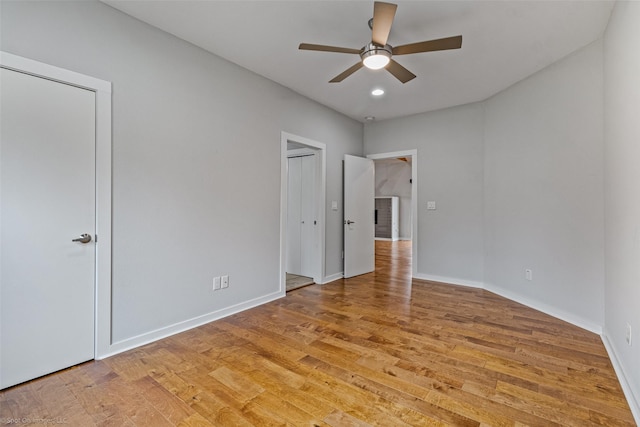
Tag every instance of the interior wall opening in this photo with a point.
(302, 216)
(395, 209)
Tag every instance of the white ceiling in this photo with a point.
(503, 42)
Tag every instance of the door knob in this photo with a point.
(84, 238)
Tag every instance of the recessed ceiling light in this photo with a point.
(377, 92)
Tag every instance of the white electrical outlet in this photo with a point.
(225, 282)
(216, 283)
(628, 334)
(528, 274)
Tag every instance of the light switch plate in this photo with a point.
(528, 274)
(431, 205)
(334, 205)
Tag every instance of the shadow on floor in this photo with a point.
(294, 281)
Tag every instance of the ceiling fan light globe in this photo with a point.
(375, 57)
(376, 62)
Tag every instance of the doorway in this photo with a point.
(399, 179)
(393, 184)
(302, 213)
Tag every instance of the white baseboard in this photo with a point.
(449, 280)
(332, 278)
(149, 337)
(633, 399)
(547, 309)
(536, 305)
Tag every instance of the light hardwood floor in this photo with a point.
(378, 349)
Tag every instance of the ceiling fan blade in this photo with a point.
(383, 14)
(429, 46)
(399, 72)
(346, 73)
(323, 48)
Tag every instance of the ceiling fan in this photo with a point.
(378, 53)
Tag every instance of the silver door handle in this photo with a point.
(84, 238)
(349, 222)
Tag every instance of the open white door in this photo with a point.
(359, 227)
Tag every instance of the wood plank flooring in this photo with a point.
(377, 349)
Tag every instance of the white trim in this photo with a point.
(536, 305)
(51, 72)
(321, 150)
(414, 199)
(449, 280)
(176, 328)
(300, 152)
(547, 309)
(102, 91)
(632, 399)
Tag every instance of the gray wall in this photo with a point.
(518, 182)
(544, 189)
(622, 188)
(196, 160)
(450, 172)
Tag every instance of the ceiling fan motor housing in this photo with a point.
(372, 49)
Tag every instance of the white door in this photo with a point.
(294, 215)
(359, 210)
(301, 215)
(307, 215)
(47, 198)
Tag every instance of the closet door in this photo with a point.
(294, 215)
(301, 215)
(307, 215)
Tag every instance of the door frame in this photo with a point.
(102, 90)
(320, 194)
(414, 198)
